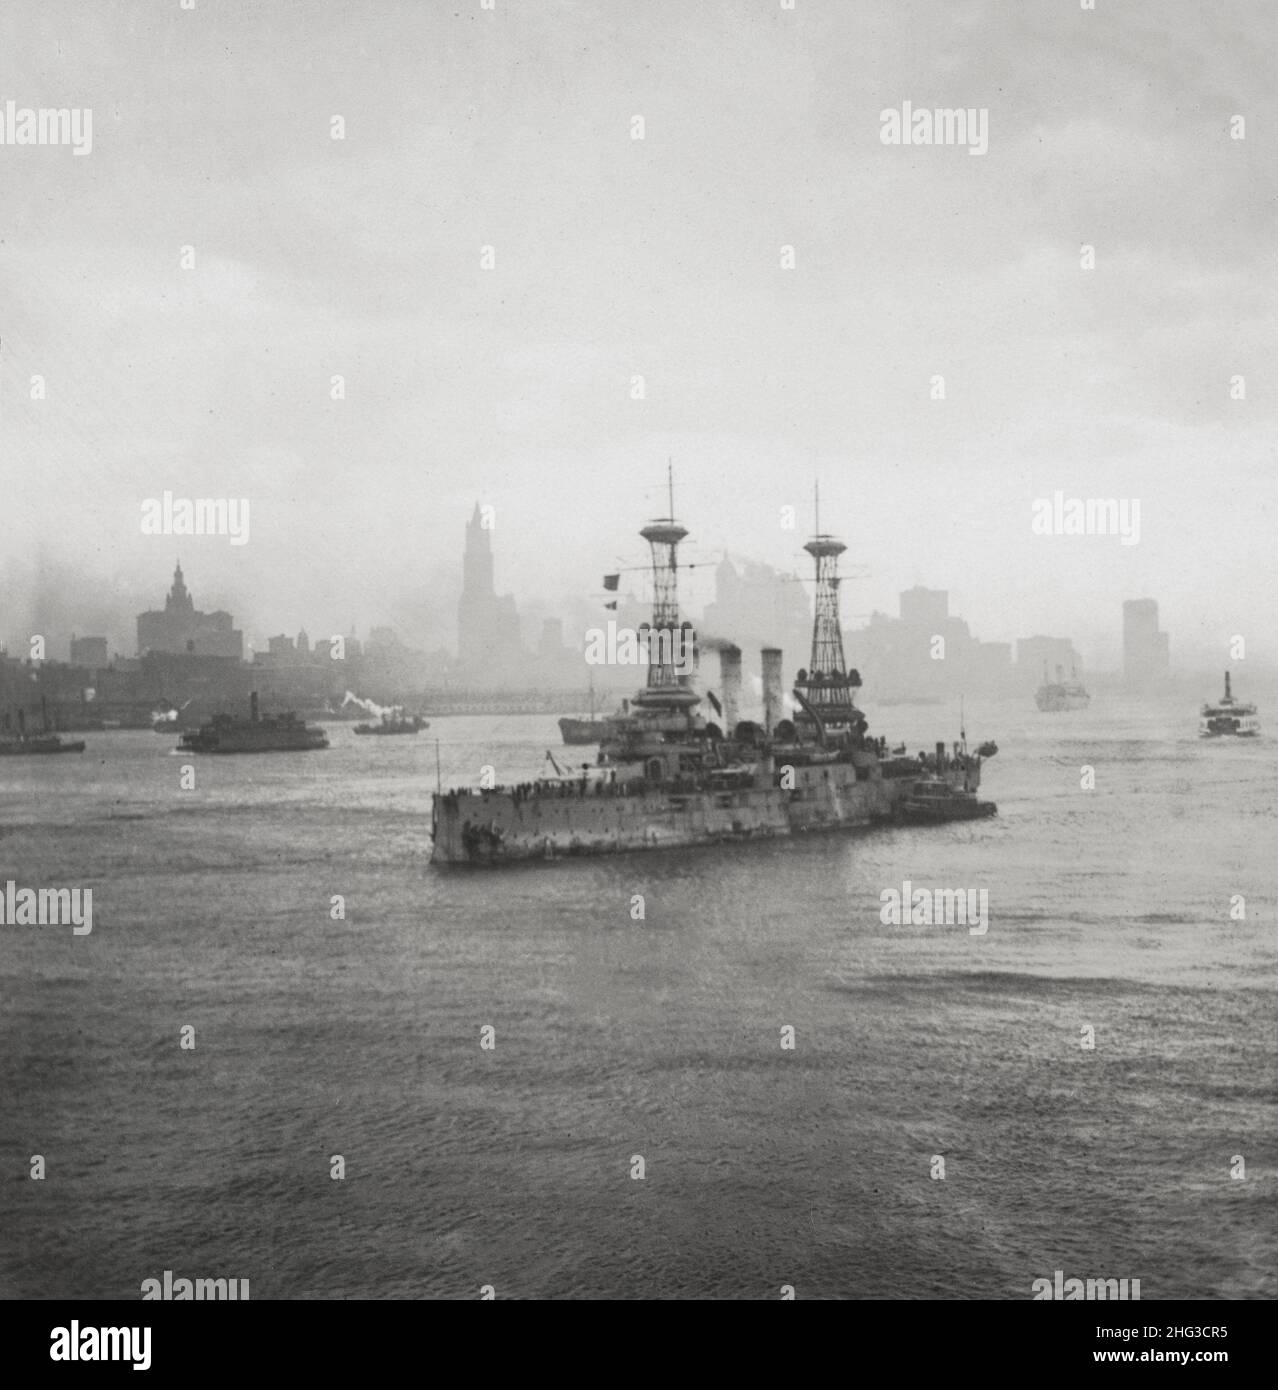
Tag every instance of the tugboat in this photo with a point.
(1228, 719)
(271, 733)
(1060, 695)
(931, 801)
(393, 722)
(666, 777)
(26, 745)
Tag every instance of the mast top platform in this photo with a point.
(825, 545)
(664, 531)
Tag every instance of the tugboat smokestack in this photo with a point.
(730, 680)
(772, 685)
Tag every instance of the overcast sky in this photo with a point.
(661, 257)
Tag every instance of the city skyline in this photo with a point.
(431, 623)
(757, 607)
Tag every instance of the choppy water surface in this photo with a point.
(659, 1038)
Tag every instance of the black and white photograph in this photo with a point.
(638, 661)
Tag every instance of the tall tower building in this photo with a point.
(488, 642)
(178, 603)
(181, 629)
(477, 561)
(1146, 650)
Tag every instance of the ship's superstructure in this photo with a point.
(666, 777)
(1228, 718)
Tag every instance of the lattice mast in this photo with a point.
(827, 685)
(668, 679)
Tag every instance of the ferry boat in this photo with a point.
(1054, 697)
(1229, 718)
(666, 777)
(270, 733)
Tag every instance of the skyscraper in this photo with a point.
(1146, 656)
(488, 642)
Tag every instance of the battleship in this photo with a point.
(666, 777)
(271, 733)
(1055, 697)
(1229, 718)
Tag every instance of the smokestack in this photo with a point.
(772, 706)
(253, 706)
(730, 680)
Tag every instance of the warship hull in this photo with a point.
(505, 826)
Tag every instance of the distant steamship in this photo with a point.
(1054, 697)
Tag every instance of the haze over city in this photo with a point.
(513, 385)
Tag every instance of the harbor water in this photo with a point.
(1141, 909)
